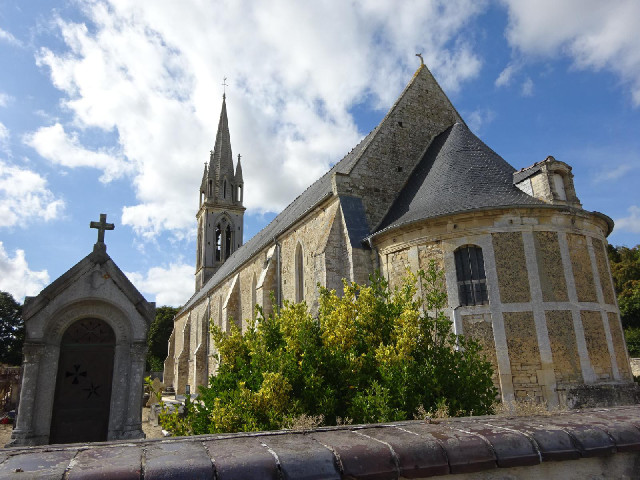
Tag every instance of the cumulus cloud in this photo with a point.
(24, 197)
(16, 277)
(594, 34)
(54, 144)
(630, 223)
(294, 72)
(169, 286)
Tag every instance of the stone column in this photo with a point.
(546, 376)
(137, 358)
(24, 432)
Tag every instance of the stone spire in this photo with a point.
(220, 214)
(238, 175)
(221, 158)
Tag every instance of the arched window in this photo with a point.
(239, 193)
(224, 189)
(210, 188)
(227, 242)
(218, 242)
(472, 281)
(299, 274)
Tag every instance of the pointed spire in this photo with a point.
(221, 161)
(203, 184)
(239, 171)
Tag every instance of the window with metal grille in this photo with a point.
(472, 281)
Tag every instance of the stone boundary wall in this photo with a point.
(602, 443)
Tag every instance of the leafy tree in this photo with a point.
(11, 330)
(625, 269)
(372, 355)
(632, 336)
(159, 333)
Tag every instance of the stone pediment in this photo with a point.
(95, 276)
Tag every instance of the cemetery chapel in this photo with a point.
(526, 268)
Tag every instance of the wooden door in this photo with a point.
(83, 384)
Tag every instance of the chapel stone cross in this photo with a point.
(102, 225)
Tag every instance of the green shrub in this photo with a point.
(372, 355)
(632, 336)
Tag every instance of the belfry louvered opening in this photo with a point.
(472, 281)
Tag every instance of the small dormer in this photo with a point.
(550, 181)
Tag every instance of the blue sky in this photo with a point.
(111, 106)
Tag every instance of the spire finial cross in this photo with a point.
(224, 87)
(102, 225)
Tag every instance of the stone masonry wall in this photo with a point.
(510, 264)
(552, 279)
(596, 344)
(582, 271)
(546, 327)
(524, 354)
(480, 329)
(566, 359)
(603, 272)
(619, 347)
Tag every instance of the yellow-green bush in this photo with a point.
(372, 355)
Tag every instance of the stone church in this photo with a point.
(526, 268)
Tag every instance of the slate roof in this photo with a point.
(312, 196)
(457, 173)
(525, 173)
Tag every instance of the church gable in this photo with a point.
(383, 167)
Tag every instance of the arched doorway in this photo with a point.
(83, 384)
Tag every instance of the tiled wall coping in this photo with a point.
(413, 449)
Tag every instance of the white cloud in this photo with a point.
(169, 286)
(4, 138)
(527, 88)
(615, 172)
(630, 223)
(294, 70)
(504, 79)
(479, 118)
(54, 144)
(8, 38)
(16, 277)
(24, 197)
(594, 34)
(5, 99)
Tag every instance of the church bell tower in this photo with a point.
(220, 215)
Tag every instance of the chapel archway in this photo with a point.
(82, 399)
